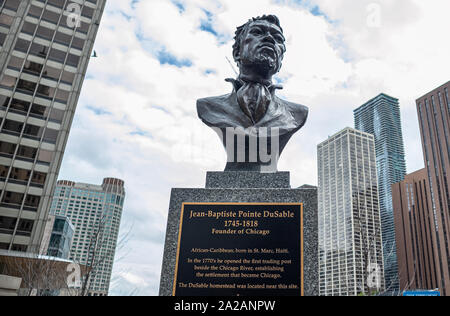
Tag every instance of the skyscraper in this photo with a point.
(95, 211)
(415, 233)
(350, 242)
(45, 48)
(434, 120)
(381, 118)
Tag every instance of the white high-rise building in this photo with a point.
(350, 242)
(45, 47)
(95, 211)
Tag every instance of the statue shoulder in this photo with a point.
(298, 111)
(213, 110)
(212, 103)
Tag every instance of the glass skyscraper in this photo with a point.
(381, 118)
(95, 211)
(45, 47)
(350, 242)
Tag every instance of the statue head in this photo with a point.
(260, 46)
(254, 124)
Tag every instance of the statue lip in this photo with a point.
(268, 47)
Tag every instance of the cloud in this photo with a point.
(137, 120)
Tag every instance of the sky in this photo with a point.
(136, 119)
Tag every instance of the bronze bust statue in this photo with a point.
(252, 121)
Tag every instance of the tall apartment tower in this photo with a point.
(434, 120)
(381, 118)
(44, 54)
(415, 233)
(95, 211)
(350, 241)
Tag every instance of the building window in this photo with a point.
(8, 82)
(6, 19)
(22, 45)
(29, 28)
(45, 33)
(13, 127)
(2, 39)
(19, 248)
(12, 5)
(35, 11)
(15, 63)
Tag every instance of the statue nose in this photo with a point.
(269, 38)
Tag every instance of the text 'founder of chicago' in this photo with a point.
(253, 106)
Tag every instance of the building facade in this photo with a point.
(9, 286)
(434, 120)
(95, 211)
(40, 275)
(350, 241)
(44, 54)
(58, 235)
(415, 233)
(381, 118)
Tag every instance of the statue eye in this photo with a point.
(278, 38)
(256, 31)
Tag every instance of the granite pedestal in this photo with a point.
(245, 187)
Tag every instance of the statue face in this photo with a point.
(263, 47)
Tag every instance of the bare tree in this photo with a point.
(99, 253)
(41, 276)
(96, 255)
(122, 251)
(47, 276)
(390, 288)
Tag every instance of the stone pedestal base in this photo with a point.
(270, 188)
